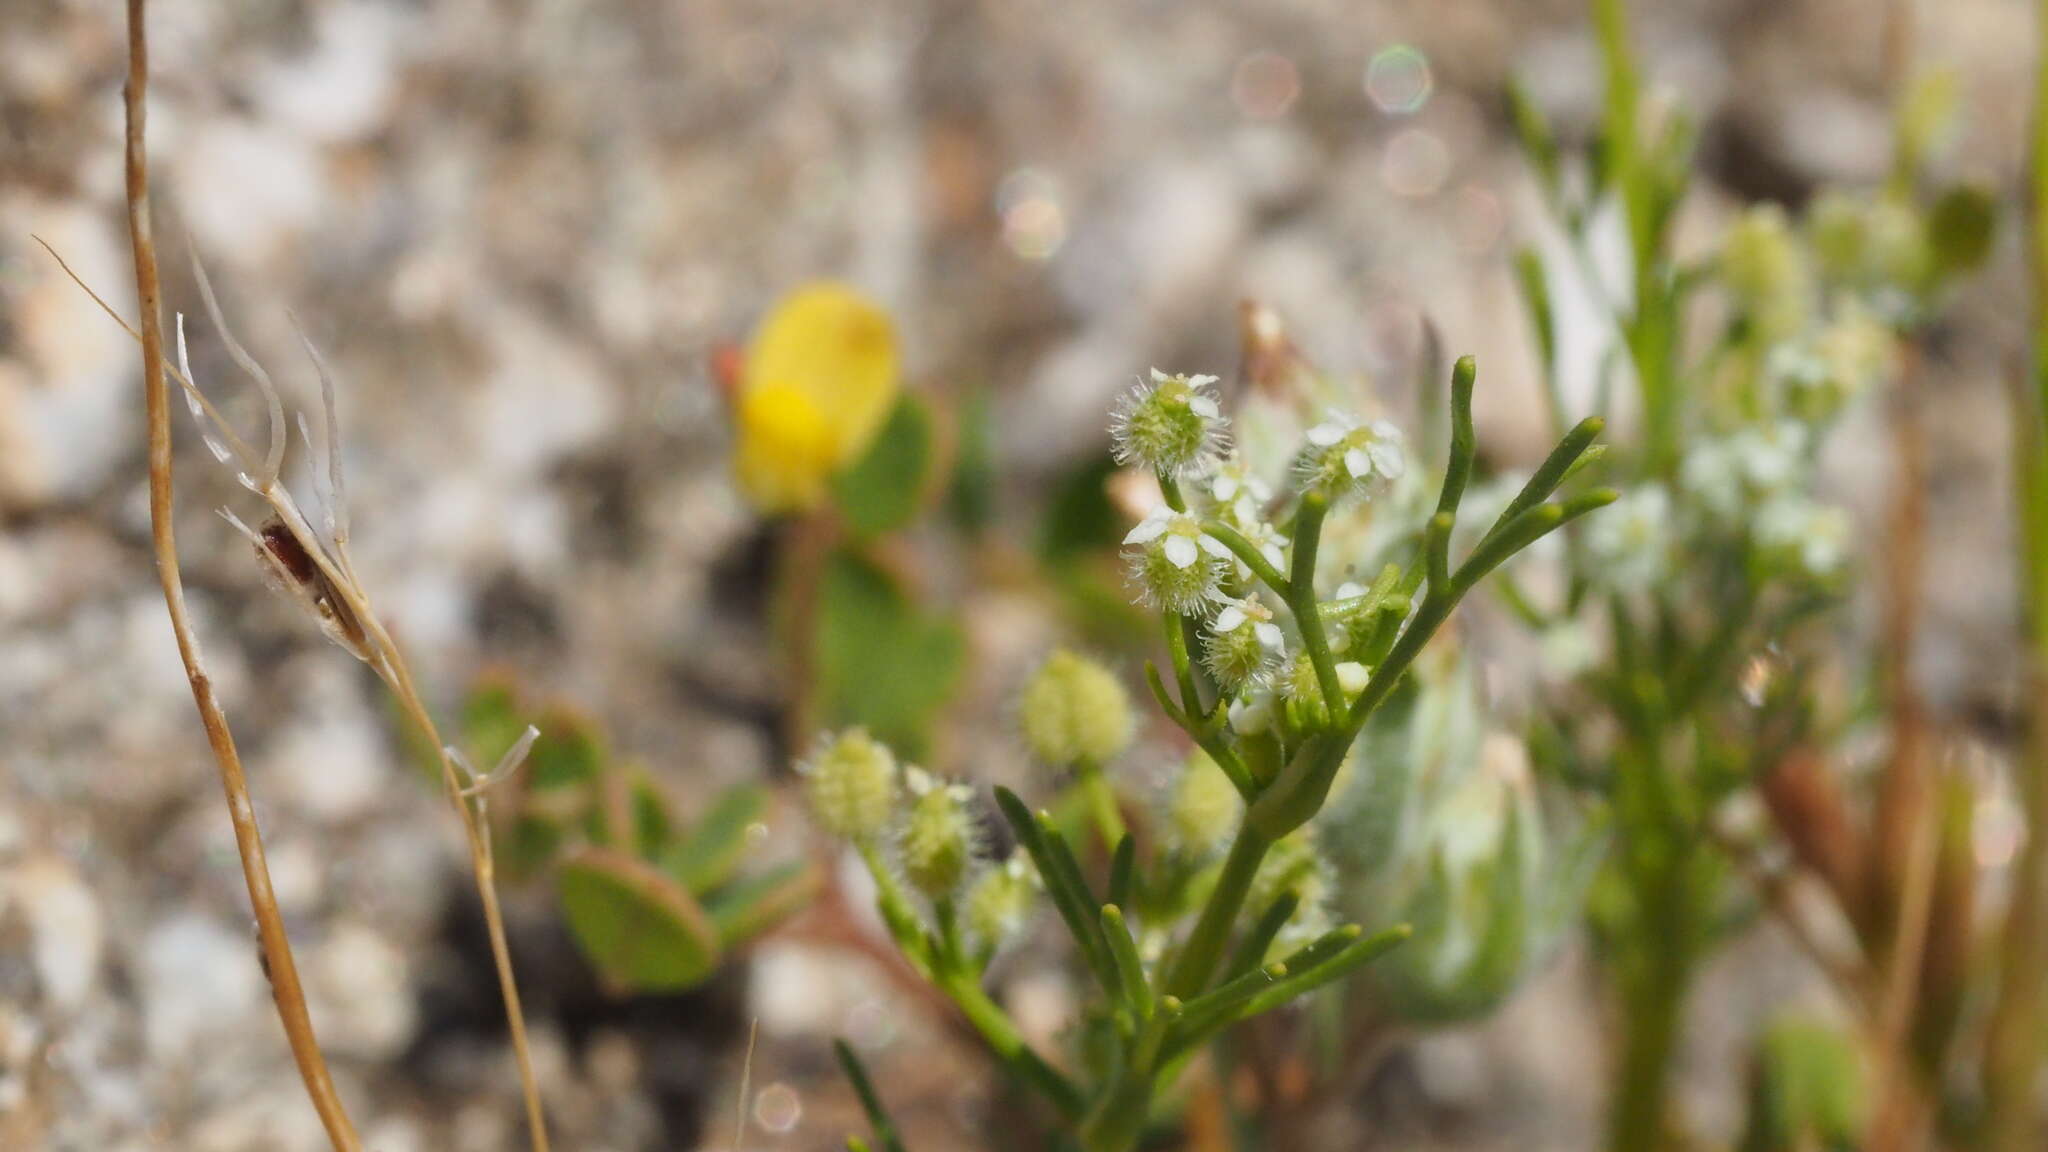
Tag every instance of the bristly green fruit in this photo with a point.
(1075, 711)
(852, 783)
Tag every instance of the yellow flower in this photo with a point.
(820, 377)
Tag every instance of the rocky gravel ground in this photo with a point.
(518, 230)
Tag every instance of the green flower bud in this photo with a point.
(1203, 809)
(851, 783)
(1345, 456)
(1838, 229)
(1243, 645)
(1075, 711)
(1171, 426)
(939, 836)
(1304, 689)
(1927, 115)
(1766, 270)
(1000, 901)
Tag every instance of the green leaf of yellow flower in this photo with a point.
(883, 489)
(637, 926)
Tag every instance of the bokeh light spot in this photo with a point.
(1415, 163)
(1034, 226)
(778, 1108)
(1265, 85)
(1398, 80)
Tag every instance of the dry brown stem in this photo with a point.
(369, 640)
(277, 951)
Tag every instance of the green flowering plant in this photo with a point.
(1221, 910)
(1686, 634)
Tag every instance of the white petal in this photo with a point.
(1387, 459)
(1181, 551)
(1269, 634)
(1350, 590)
(1230, 619)
(1324, 435)
(1225, 488)
(1216, 548)
(1352, 676)
(1386, 431)
(1159, 377)
(1357, 463)
(1201, 381)
(1204, 406)
(1274, 556)
(1148, 530)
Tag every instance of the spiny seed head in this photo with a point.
(1075, 711)
(1346, 456)
(1171, 426)
(939, 836)
(1176, 566)
(1243, 645)
(851, 782)
(1202, 810)
(1000, 900)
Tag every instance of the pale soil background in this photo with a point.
(519, 228)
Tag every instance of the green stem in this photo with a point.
(1636, 1114)
(1177, 649)
(2013, 1050)
(1198, 957)
(1301, 599)
(1249, 553)
(1003, 1038)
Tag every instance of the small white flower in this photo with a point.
(1771, 457)
(1243, 645)
(1171, 426)
(1239, 496)
(1813, 536)
(1347, 456)
(1631, 540)
(1565, 650)
(1177, 567)
(1734, 475)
